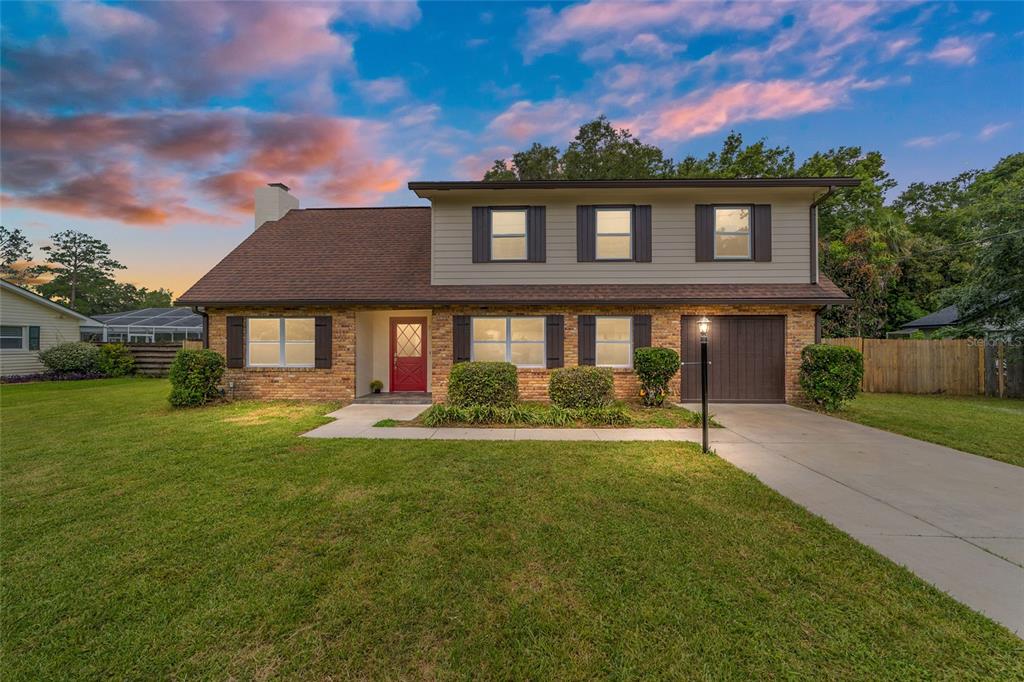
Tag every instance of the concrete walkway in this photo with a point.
(954, 519)
(356, 421)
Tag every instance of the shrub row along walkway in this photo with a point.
(357, 421)
(957, 520)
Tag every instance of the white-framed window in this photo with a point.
(614, 228)
(508, 234)
(12, 337)
(519, 340)
(281, 342)
(614, 342)
(732, 233)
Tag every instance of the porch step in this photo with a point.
(394, 399)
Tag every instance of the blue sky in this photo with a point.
(150, 124)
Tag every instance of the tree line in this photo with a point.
(955, 242)
(78, 271)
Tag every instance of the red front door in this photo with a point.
(408, 354)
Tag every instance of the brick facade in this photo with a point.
(338, 382)
(665, 332)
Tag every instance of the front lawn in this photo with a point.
(990, 427)
(140, 542)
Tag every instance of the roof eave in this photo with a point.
(445, 185)
(807, 300)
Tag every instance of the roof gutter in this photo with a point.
(830, 182)
(199, 310)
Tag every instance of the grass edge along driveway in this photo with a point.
(990, 427)
(144, 542)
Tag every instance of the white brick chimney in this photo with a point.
(273, 201)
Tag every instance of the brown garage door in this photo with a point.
(747, 354)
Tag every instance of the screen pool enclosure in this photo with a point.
(149, 325)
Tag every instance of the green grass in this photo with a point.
(384, 423)
(990, 427)
(620, 414)
(140, 542)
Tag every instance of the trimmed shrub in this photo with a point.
(529, 414)
(194, 376)
(49, 376)
(655, 367)
(483, 383)
(115, 360)
(71, 358)
(582, 386)
(830, 375)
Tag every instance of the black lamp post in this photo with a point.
(703, 326)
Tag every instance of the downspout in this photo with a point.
(206, 324)
(814, 233)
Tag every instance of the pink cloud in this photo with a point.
(928, 141)
(957, 51)
(383, 89)
(594, 22)
(525, 120)
(709, 111)
(144, 169)
(993, 129)
(279, 36)
(473, 166)
(100, 18)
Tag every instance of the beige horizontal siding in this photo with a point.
(54, 328)
(673, 218)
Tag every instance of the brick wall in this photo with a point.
(338, 382)
(271, 383)
(665, 331)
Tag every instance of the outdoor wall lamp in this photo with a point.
(703, 325)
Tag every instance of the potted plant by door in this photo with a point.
(376, 385)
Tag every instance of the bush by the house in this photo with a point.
(529, 414)
(581, 387)
(115, 360)
(655, 367)
(71, 358)
(483, 383)
(830, 375)
(194, 376)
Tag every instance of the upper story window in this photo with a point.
(508, 234)
(12, 337)
(519, 340)
(614, 238)
(614, 341)
(281, 342)
(732, 233)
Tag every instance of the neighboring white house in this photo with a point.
(30, 323)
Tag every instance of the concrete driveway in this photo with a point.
(956, 520)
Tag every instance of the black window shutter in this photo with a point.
(236, 341)
(481, 234)
(642, 234)
(33, 338)
(587, 340)
(460, 338)
(536, 234)
(586, 234)
(322, 338)
(555, 341)
(641, 331)
(705, 233)
(763, 232)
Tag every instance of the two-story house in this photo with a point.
(319, 302)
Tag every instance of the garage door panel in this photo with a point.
(747, 354)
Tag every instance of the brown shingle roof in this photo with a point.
(382, 256)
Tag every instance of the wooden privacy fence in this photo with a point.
(154, 359)
(952, 366)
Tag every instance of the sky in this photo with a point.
(149, 125)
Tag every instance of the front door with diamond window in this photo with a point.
(408, 354)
